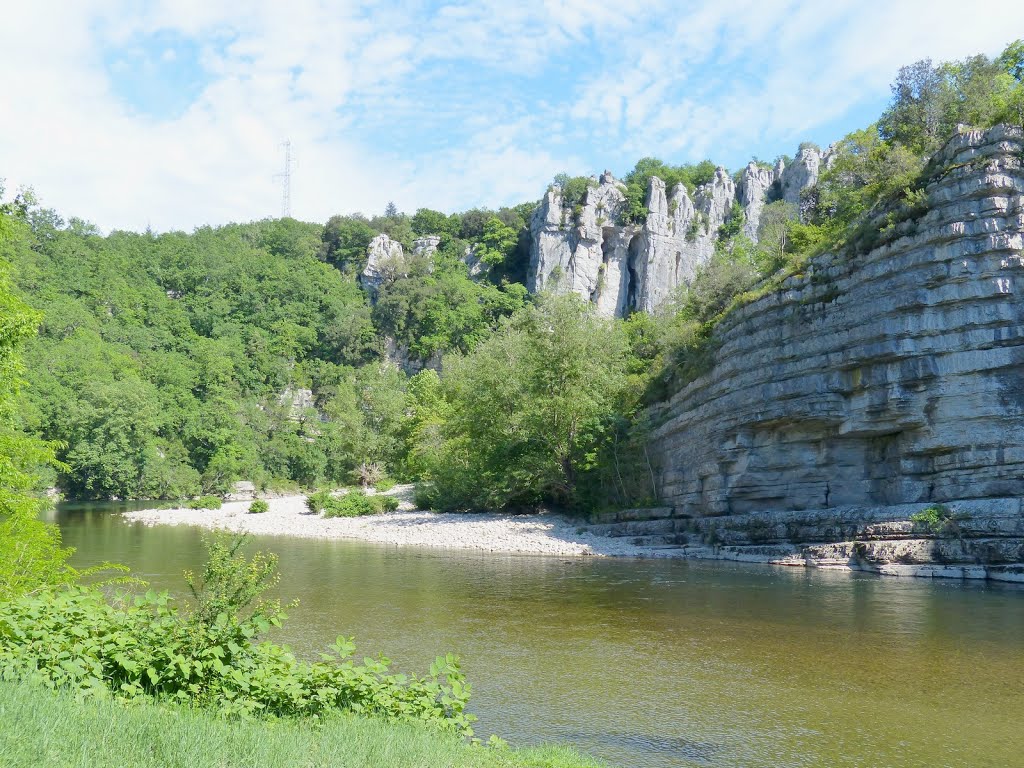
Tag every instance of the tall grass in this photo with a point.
(39, 728)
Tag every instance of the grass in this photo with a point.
(41, 728)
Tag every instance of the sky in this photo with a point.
(171, 114)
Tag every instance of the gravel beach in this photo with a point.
(543, 534)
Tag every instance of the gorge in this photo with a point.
(875, 385)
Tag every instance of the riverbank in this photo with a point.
(45, 728)
(983, 539)
(541, 534)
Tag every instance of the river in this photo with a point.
(656, 663)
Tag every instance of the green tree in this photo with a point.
(528, 408)
(31, 555)
(344, 242)
(497, 242)
(428, 222)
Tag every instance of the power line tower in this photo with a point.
(286, 180)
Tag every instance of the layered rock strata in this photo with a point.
(982, 539)
(622, 267)
(873, 380)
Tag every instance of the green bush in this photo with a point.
(205, 502)
(386, 503)
(211, 657)
(357, 503)
(425, 496)
(939, 519)
(317, 502)
(354, 503)
(384, 485)
(258, 506)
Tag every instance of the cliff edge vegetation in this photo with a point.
(295, 355)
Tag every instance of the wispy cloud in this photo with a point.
(172, 114)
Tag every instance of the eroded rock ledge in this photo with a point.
(872, 381)
(980, 539)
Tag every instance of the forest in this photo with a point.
(164, 366)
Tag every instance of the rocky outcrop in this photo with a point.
(398, 355)
(891, 376)
(385, 260)
(754, 190)
(979, 539)
(803, 173)
(588, 248)
(426, 245)
(298, 400)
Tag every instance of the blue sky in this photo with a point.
(171, 114)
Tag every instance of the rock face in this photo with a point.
(886, 377)
(298, 401)
(385, 259)
(590, 250)
(426, 245)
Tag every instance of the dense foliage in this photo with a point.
(523, 414)
(210, 656)
(174, 365)
(31, 555)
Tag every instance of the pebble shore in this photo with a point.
(542, 534)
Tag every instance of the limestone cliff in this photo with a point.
(623, 267)
(385, 260)
(871, 386)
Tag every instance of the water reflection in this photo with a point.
(658, 663)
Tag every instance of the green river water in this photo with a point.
(657, 663)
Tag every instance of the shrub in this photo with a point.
(354, 503)
(424, 496)
(931, 517)
(386, 503)
(357, 504)
(317, 502)
(939, 519)
(258, 506)
(384, 485)
(205, 502)
(210, 657)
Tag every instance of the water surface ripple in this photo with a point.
(658, 663)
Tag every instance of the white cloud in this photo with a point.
(470, 103)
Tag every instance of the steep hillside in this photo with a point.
(883, 377)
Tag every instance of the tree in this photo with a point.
(497, 242)
(526, 411)
(344, 242)
(915, 115)
(473, 221)
(31, 555)
(772, 233)
(391, 210)
(1011, 60)
(428, 222)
